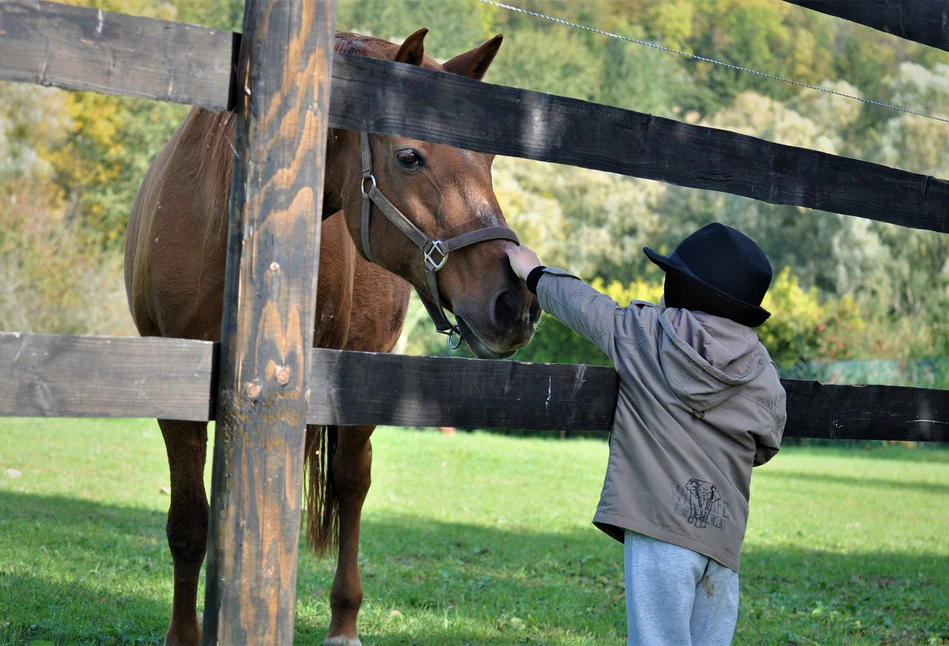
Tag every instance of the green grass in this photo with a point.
(477, 539)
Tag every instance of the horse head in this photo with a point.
(428, 213)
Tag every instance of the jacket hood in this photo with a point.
(707, 359)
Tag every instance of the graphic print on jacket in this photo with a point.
(696, 501)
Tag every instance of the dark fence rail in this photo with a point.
(82, 376)
(379, 96)
(922, 21)
(82, 49)
(64, 376)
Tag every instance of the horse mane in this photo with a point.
(372, 47)
(348, 42)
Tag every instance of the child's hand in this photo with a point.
(523, 260)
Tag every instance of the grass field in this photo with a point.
(477, 539)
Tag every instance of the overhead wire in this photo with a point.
(705, 59)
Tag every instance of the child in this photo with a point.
(699, 404)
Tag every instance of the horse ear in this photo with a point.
(413, 49)
(475, 63)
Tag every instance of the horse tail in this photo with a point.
(322, 498)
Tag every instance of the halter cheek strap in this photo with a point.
(434, 252)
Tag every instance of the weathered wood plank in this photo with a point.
(267, 328)
(895, 413)
(922, 21)
(64, 376)
(399, 99)
(405, 100)
(77, 48)
(43, 375)
(368, 388)
(377, 388)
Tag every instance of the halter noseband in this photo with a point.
(434, 252)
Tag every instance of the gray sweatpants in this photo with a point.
(677, 597)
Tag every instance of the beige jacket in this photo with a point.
(699, 404)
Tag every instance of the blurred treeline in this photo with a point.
(845, 288)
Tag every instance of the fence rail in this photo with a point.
(43, 375)
(76, 48)
(65, 376)
(385, 97)
(922, 21)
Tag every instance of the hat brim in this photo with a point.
(743, 312)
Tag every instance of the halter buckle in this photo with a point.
(430, 261)
(367, 178)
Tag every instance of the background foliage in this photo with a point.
(70, 164)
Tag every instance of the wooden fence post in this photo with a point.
(269, 302)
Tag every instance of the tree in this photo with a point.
(590, 222)
(49, 280)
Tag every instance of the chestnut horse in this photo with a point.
(174, 277)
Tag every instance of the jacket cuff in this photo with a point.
(533, 277)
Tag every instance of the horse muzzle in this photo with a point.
(506, 326)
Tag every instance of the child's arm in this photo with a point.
(576, 304)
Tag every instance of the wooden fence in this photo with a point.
(261, 413)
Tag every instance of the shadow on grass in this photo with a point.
(929, 452)
(861, 482)
(74, 572)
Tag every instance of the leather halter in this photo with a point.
(434, 252)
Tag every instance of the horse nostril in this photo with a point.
(506, 311)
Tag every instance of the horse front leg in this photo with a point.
(352, 463)
(187, 526)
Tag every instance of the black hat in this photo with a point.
(727, 266)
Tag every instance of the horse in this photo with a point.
(394, 210)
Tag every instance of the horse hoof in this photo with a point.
(342, 641)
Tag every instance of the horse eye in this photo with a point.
(409, 159)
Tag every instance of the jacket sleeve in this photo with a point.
(580, 307)
(768, 443)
